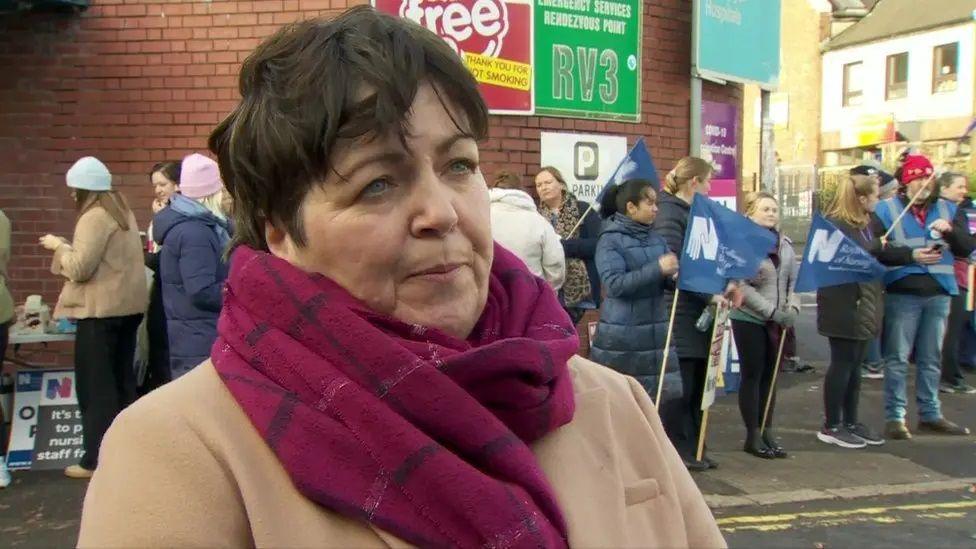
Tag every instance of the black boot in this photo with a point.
(755, 446)
(770, 441)
(694, 465)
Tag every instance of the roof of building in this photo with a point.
(889, 18)
(853, 7)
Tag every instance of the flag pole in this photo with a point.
(701, 435)
(704, 424)
(884, 237)
(667, 347)
(772, 384)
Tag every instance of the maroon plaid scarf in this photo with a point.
(422, 434)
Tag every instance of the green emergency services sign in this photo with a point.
(588, 58)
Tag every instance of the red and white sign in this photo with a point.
(493, 37)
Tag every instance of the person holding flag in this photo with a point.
(579, 228)
(720, 247)
(690, 177)
(840, 266)
(918, 296)
(635, 268)
(769, 306)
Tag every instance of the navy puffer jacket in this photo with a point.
(633, 318)
(192, 273)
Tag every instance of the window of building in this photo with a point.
(945, 63)
(853, 85)
(897, 76)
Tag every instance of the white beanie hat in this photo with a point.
(89, 174)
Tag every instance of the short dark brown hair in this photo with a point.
(170, 170)
(302, 92)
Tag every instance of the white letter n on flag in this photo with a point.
(823, 245)
(703, 241)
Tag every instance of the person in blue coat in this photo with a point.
(636, 267)
(192, 232)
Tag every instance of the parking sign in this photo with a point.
(586, 160)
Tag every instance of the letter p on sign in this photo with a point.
(586, 161)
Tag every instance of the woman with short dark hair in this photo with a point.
(384, 375)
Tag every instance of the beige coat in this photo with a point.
(104, 267)
(6, 301)
(183, 467)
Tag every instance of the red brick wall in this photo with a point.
(134, 82)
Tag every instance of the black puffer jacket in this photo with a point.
(671, 221)
(855, 311)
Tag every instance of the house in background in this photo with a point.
(903, 75)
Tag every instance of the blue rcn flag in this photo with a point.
(720, 245)
(832, 259)
(636, 165)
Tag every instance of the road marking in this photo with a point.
(878, 515)
(965, 504)
(716, 501)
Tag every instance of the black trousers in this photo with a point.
(757, 360)
(842, 384)
(686, 423)
(951, 373)
(4, 339)
(106, 382)
(158, 372)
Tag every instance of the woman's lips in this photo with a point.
(439, 273)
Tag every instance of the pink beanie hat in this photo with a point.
(199, 177)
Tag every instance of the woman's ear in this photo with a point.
(631, 209)
(279, 242)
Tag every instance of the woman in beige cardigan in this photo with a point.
(105, 290)
(384, 375)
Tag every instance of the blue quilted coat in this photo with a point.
(634, 316)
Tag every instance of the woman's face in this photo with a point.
(644, 211)
(956, 192)
(163, 188)
(870, 201)
(549, 188)
(702, 185)
(766, 213)
(405, 230)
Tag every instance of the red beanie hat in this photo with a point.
(915, 167)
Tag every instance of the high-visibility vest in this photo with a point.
(909, 233)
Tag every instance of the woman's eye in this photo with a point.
(376, 188)
(461, 167)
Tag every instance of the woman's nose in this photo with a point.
(436, 215)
